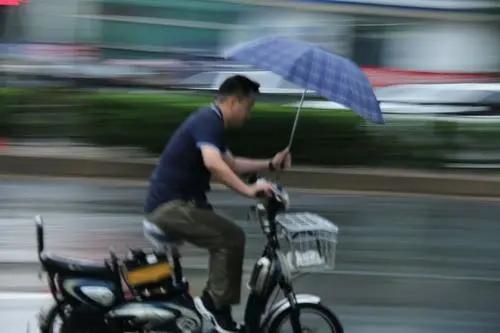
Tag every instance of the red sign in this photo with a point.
(12, 2)
(381, 77)
(9, 2)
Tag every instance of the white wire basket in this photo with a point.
(308, 241)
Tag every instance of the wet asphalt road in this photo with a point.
(404, 263)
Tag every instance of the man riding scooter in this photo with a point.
(177, 201)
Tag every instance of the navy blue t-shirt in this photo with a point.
(181, 173)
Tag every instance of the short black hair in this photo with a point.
(237, 85)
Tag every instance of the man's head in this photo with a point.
(236, 97)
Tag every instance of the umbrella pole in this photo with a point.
(296, 120)
(293, 130)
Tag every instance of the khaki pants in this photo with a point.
(224, 240)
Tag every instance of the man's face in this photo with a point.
(241, 109)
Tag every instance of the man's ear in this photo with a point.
(231, 101)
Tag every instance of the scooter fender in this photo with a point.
(283, 305)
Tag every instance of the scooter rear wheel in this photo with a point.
(51, 322)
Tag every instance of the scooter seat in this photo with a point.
(57, 264)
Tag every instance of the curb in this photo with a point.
(349, 179)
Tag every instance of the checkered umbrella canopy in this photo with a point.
(311, 67)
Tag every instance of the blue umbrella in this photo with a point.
(311, 67)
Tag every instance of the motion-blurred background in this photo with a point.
(126, 71)
(95, 88)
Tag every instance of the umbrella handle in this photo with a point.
(296, 120)
(282, 164)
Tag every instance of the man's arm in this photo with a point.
(242, 165)
(214, 162)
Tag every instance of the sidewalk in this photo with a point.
(53, 158)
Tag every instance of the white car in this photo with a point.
(478, 102)
(473, 99)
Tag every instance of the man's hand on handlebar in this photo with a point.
(261, 189)
(274, 199)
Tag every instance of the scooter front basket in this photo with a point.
(308, 241)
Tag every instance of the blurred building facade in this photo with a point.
(421, 35)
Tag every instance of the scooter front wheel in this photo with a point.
(312, 317)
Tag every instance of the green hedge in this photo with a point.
(40, 113)
(323, 137)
